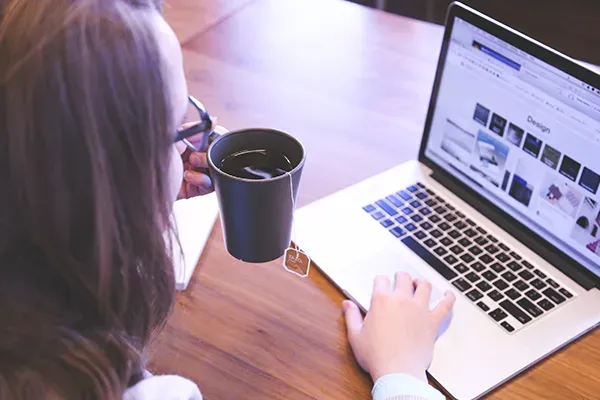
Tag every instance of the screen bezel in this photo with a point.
(538, 244)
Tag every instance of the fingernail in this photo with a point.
(345, 305)
(187, 175)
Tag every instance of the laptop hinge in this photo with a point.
(573, 270)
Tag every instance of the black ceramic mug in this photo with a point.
(256, 215)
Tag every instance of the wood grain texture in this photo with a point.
(353, 84)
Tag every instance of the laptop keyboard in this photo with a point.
(511, 291)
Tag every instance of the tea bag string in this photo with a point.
(295, 246)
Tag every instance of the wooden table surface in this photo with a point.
(353, 84)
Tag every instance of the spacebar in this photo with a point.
(429, 258)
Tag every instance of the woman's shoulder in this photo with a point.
(163, 387)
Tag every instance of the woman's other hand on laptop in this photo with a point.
(399, 330)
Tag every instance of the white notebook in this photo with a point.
(194, 219)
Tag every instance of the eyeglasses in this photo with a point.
(204, 126)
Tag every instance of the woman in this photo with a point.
(92, 93)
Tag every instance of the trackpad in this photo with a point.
(358, 285)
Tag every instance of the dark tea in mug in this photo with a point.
(256, 164)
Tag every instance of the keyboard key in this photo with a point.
(378, 215)
(450, 217)
(456, 249)
(446, 241)
(422, 195)
(407, 210)
(526, 275)
(467, 258)
(522, 286)
(515, 266)
(481, 230)
(385, 206)
(450, 259)
(464, 242)
(474, 295)
(386, 223)
(397, 231)
(431, 192)
(450, 207)
(533, 295)
(444, 226)
(420, 235)
(394, 200)
(492, 238)
(500, 284)
(509, 276)
(477, 266)
(425, 211)
(461, 268)
(565, 293)
(502, 257)
(369, 208)
(484, 286)
(470, 233)
(435, 219)
(481, 241)
(509, 328)
(459, 214)
(440, 210)
(475, 250)
(410, 227)
(546, 304)
(495, 295)
(497, 267)
(554, 296)
(489, 275)
(401, 219)
(431, 202)
(503, 246)
(486, 259)
(472, 277)
(461, 284)
(415, 203)
(470, 222)
(440, 199)
(416, 218)
(515, 312)
(460, 225)
(419, 184)
(515, 255)
(491, 249)
(552, 283)
(429, 258)
(440, 251)
(483, 306)
(436, 233)
(454, 234)
(531, 308)
(527, 264)
(513, 294)
(498, 314)
(540, 273)
(412, 188)
(536, 283)
(430, 243)
(426, 225)
(404, 195)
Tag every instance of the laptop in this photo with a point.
(502, 206)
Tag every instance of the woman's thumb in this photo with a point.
(353, 318)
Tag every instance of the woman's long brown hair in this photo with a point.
(85, 272)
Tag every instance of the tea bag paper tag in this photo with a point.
(296, 262)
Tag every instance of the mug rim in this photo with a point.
(257, 181)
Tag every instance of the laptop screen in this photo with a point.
(524, 135)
